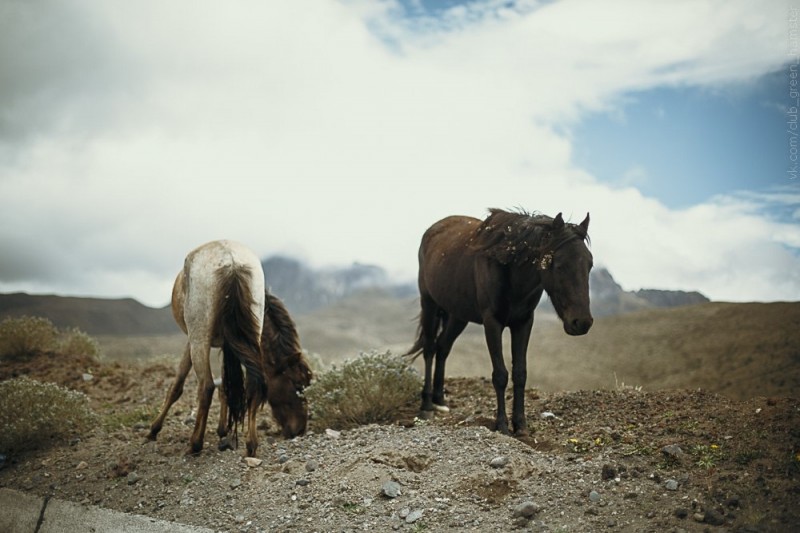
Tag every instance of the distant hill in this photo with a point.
(608, 297)
(95, 316)
(304, 290)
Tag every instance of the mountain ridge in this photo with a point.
(304, 290)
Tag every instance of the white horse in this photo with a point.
(219, 300)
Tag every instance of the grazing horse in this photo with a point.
(493, 272)
(219, 300)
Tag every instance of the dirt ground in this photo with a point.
(611, 460)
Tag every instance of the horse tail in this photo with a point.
(281, 340)
(412, 354)
(241, 346)
(419, 344)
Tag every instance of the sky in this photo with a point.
(338, 131)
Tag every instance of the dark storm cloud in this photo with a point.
(59, 69)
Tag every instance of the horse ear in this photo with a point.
(558, 222)
(585, 224)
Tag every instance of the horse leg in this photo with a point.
(429, 322)
(444, 343)
(205, 393)
(252, 431)
(520, 335)
(494, 341)
(222, 425)
(175, 391)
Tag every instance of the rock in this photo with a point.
(132, 478)
(499, 462)
(526, 509)
(673, 452)
(547, 415)
(681, 513)
(332, 433)
(235, 483)
(311, 465)
(391, 489)
(253, 462)
(282, 458)
(608, 472)
(87, 377)
(186, 498)
(302, 482)
(594, 496)
(713, 517)
(413, 516)
(671, 484)
(82, 465)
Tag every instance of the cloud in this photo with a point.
(340, 131)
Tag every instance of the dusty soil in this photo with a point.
(624, 460)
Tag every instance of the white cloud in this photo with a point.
(338, 132)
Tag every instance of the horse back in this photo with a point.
(447, 267)
(196, 297)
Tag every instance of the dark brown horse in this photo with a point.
(493, 272)
(219, 300)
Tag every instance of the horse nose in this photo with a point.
(294, 428)
(581, 326)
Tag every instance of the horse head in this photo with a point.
(285, 396)
(288, 373)
(564, 266)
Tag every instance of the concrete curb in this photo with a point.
(27, 513)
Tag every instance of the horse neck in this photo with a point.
(524, 279)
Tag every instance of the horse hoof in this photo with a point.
(521, 432)
(224, 444)
(427, 415)
(441, 408)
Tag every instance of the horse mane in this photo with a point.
(281, 342)
(517, 237)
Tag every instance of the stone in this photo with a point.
(526, 509)
(713, 517)
(673, 451)
(499, 462)
(391, 489)
(594, 496)
(413, 516)
(253, 462)
(671, 484)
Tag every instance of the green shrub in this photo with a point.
(22, 337)
(76, 342)
(25, 336)
(371, 389)
(34, 414)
